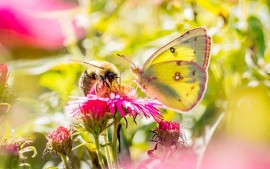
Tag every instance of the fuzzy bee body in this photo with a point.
(104, 74)
(87, 80)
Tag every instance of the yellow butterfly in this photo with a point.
(176, 74)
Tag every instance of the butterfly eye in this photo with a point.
(136, 70)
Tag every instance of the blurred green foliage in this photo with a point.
(238, 84)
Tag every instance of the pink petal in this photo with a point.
(119, 108)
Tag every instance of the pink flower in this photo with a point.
(171, 150)
(92, 112)
(121, 104)
(167, 133)
(94, 109)
(4, 72)
(224, 153)
(27, 23)
(98, 107)
(13, 151)
(180, 158)
(133, 106)
(169, 126)
(60, 141)
(9, 149)
(60, 134)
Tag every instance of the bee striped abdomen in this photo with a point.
(87, 81)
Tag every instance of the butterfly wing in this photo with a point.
(177, 84)
(192, 46)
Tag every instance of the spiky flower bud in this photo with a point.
(12, 152)
(168, 133)
(9, 154)
(60, 141)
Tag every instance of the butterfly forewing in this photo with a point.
(177, 84)
(193, 46)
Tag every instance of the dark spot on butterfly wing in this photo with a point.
(178, 76)
(172, 49)
(195, 39)
(178, 62)
(193, 72)
(192, 87)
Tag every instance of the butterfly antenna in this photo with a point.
(83, 62)
(125, 58)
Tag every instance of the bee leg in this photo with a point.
(118, 137)
(134, 119)
(106, 83)
(126, 122)
(96, 90)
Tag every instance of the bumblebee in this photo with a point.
(102, 74)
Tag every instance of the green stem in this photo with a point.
(65, 160)
(108, 150)
(114, 146)
(100, 159)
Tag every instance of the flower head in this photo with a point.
(118, 98)
(60, 141)
(94, 109)
(169, 126)
(9, 149)
(168, 133)
(12, 152)
(133, 106)
(171, 146)
(92, 112)
(9, 153)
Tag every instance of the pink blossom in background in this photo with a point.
(4, 72)
(179, 158)
(9, 149)
(24, 23)
(236, 154)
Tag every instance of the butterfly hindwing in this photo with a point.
(193, 46)
(177, 84)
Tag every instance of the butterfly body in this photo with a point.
(176, 74)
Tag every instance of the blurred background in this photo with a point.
(37, 38)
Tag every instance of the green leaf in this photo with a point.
(256, 35)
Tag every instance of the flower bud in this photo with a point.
(95, 116)
(60, 141)
(9, 155)
(168, 133)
